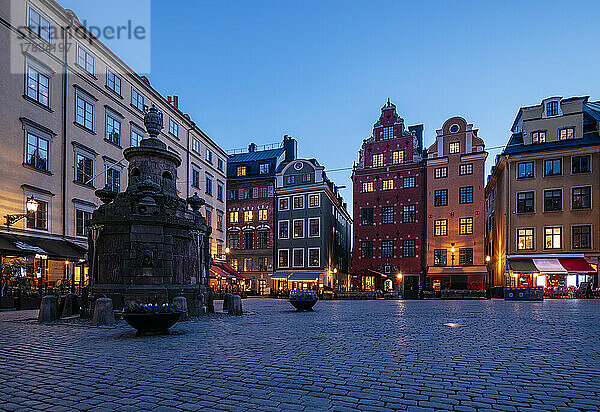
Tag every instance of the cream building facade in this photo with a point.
(69, 108)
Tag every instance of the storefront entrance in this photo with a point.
(411, 287)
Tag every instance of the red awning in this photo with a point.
(215, 271)
(579, 265)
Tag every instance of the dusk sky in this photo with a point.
(249, 71)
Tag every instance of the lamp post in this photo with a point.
(452, 250)
(31, 205)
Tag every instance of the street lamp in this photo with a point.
(31, 205)
(488, 258)
(452, 249)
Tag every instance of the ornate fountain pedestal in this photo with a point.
(146, 245)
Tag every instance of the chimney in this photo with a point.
(252, 148)
(173, 101)
(291, 148)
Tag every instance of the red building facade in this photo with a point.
(389, 207)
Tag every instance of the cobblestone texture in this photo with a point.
(347, 355)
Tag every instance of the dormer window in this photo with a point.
(567, 133)
(538, 136)
(552, 108)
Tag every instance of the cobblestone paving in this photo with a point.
(361, 355)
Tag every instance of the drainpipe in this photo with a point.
(64, 125)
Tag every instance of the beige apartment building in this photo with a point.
(542, 198)
(69, 108)
(455, 255)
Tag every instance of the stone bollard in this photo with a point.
(48, 309)
(209, 299)
(71, 305)
(226, 302)
(103, 312)
(235, 306)
(180, 303)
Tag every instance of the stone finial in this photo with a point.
(153, 120)
(106, 195)
(195, 202)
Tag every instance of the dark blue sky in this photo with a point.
(250, 71)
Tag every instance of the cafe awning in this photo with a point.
(550, 265)
(307, 276)
(280, 275)
(19, 245)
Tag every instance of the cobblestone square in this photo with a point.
(361, 355)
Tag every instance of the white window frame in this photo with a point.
(517, 239)
(318, 254)
(115, 76)
(591, 236)
(279, 204)
(115, 117)
(318, 202)
(78, 151)
(293, 234)
(196, 144)
(174, 128)
(79, 95)
(534, 201)
(220, 164)
(591, 197)
(109, 164)
(208, 183)
(135, 130)
(220, 190)
(318, 219)
(562, 233)
(287, 222)
(81, 208)
(137, 101)
(41, 16)
(87, 53)
(43, 197)
(293, 201)
(562, 199)
(294, 265)
(287, 252)
(209, 156)
(30, 129)
(41, 71)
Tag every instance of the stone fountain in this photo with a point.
(145, 244)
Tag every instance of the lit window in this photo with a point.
(553, 237)
(284, 258)
(298, 228)
(247, 264)
(241, 171)
(378, 160)
(466, 169)
(454, 147)
(567, 133)
(441, 172)
(439, 257)
(248, 216)
(440, 227)
(234, 264)
(262, 214)
(582, 197)
(367, 187)
(538, 136)
(525, 239)
(388, 184)
(234, 217)
(313, 200)
(397, 156)
(465, 226)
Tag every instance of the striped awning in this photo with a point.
(550, 266)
